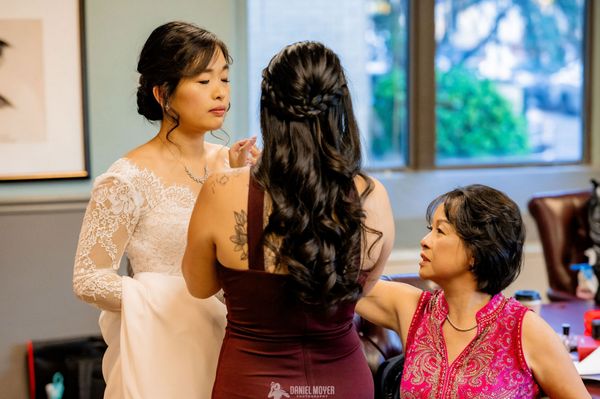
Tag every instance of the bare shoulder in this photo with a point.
(228, 181)
(406, 304)
(533, 325)
(549, 361)
(217, 156)
(217, 150)
(377, 203)
(364, 182)
(147, 155)
(539, 340)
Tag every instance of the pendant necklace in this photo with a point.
(460, 329)
(199, 180)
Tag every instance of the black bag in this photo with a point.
(78, 360)
(387, 378)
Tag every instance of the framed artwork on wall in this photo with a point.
(43, 127)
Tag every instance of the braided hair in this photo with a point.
(309, 163)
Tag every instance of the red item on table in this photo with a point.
(585, 346)
(587, 320)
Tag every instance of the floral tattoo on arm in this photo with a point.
(240, 238)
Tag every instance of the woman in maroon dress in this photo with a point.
(293, 241)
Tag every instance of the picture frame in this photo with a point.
(43, 123)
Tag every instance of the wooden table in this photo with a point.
(571, 312)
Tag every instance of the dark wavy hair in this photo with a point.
(173, 51)
(490, 225)
(310, 158)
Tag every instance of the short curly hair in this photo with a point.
(492, 229)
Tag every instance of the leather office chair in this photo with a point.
(562, 222)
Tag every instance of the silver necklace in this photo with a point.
(199, 180)
(460, 329)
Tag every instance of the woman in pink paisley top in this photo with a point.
(467, 340)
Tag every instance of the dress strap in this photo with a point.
(256, 199)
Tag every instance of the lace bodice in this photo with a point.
(130, 211)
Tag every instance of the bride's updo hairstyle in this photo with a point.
(310, 158)
(173, 51)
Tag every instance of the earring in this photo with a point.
(167, 107)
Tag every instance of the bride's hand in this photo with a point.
(243, 152)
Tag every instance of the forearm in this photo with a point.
(99, 287)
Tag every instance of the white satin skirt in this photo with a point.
(164, 343)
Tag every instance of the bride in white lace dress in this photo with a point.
(162, 342)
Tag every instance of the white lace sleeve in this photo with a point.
(109, 221)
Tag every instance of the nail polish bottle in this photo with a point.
(566, 336)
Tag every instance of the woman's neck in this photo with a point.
(463, 304)
(187, 145)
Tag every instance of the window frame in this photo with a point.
(422, 94)
(421, 141)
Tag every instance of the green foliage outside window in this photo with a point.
(473, 119)
(389, 105)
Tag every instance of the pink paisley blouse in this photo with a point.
(491, 366)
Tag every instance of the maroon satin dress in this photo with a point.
(276, 348)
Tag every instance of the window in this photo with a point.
(508, 75)
(509, 81)
(370, 36)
